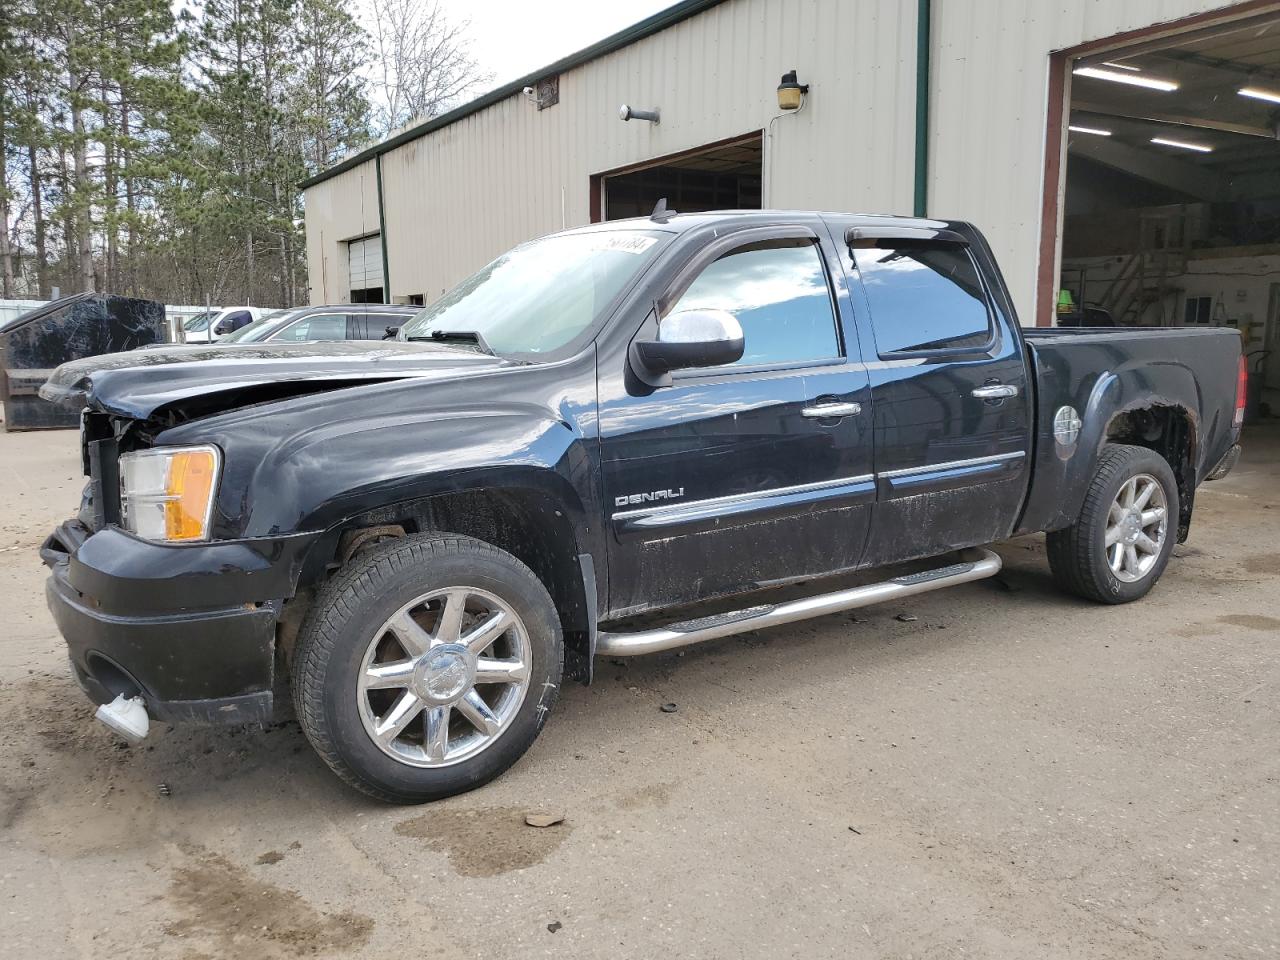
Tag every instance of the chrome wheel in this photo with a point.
(444, 677)
(1137, 525)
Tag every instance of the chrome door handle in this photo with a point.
(994, 391)
(824, 411)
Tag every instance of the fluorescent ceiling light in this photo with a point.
(1259, 94)
(1121, 66)
(1133, 79)
(1094, 130)
(1197, 147)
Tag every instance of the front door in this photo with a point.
(951, 400)
(736, 477)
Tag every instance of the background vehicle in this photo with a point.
(210, 326)
(674, 417)
(346, 321)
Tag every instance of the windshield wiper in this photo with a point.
(457, 336)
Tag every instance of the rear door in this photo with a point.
(734, 477)
(951, 404)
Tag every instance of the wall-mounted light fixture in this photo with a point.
(631, 113)
(791, 92)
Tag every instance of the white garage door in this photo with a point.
(366, 262)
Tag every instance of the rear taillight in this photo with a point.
(1242, 391)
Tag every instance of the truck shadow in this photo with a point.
(196, 771)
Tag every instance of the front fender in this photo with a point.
(310, 464)
(320, 479)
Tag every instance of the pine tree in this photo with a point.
(158, 153)
(331, 105)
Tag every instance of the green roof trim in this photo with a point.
(637, 31)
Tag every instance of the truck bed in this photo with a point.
(1105, 373)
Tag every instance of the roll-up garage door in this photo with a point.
(365, 264)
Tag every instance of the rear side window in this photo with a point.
(777, 290)
(378, 323)
(925, 296)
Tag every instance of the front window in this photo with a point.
(777, 290)
(197, 323)
(541, 296)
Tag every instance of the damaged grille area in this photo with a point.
(102, 439)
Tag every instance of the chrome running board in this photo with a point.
(983, 564)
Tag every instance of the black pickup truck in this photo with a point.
(610, 441)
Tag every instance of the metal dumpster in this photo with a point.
(83, 325)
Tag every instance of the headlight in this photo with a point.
(166, 493)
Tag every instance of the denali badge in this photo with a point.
(648, 497)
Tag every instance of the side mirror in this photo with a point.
(222, 328)
(690, 338)
(391, 333)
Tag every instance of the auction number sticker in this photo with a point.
(624, 243)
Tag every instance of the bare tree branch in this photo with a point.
(425, 66)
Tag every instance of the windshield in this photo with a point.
(543, 294)
(199, 322)
(261, 328)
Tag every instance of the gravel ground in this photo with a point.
(1012, 774)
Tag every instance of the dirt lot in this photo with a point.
(1011, 774)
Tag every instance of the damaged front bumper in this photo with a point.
(191, 628)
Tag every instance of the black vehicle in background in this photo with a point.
(81, 325)
(610, 441)
(345, 321)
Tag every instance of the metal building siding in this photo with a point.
(988, 101)
(460, 195)
(338, 210)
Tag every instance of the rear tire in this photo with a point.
(427, 667)
(1121, 543)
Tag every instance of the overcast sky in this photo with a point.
(511, 38)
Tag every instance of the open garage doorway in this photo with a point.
(721, 176)
(1171, 206)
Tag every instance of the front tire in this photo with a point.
(1121, 543)
(427, 667)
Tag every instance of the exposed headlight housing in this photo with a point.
(166, 493)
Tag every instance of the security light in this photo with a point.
(632, 113)
(1133, 79)
(791, 92)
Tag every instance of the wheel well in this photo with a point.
(528, 524)
(1170, 432)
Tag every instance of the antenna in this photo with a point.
(661, 214)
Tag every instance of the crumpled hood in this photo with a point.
(139, 382)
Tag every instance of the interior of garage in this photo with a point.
(726, 176)
(1171, 213)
